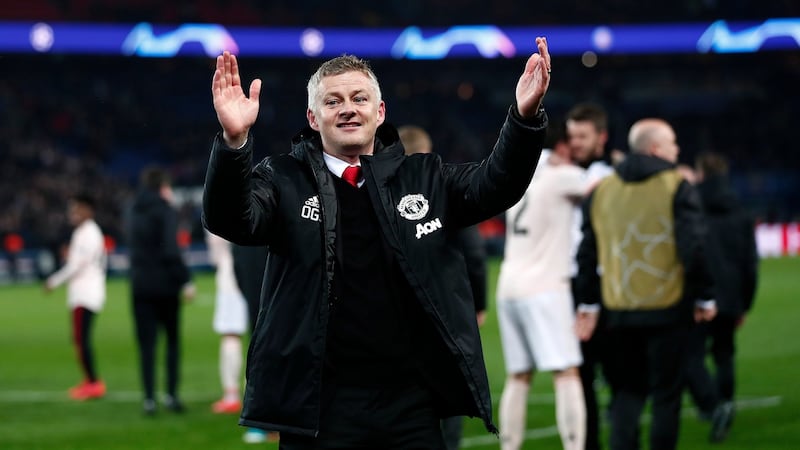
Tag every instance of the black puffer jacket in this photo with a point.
(730, 248)
(470, 243)
(157, 268)
(289, 203)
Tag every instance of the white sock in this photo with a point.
(513, 413)
(570, 412)
(230, 366)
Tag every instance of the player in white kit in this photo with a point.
(231, 322)
(534, 301)
(85, 275)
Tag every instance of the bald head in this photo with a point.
(654, 137)
(415, 139)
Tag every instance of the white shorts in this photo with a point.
(230, 314)
(538, 334)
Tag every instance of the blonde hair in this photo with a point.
(337, 66)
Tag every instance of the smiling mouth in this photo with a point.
(348, 125)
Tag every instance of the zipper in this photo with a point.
(328, 301)
(407, 271)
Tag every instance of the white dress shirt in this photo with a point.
(337, 166)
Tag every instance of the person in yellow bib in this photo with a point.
(642, 257)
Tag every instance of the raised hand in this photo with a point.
(235, 112)
(533, 83)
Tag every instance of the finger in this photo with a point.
(544, 51)
(530, 65)
(255, 89)
(226, 71)
(221, 66)
(220, 63)
(235, 80)
(541, 44)
(216, 83)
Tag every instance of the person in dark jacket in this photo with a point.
(733, 261)
(587, 134)
(367, 334)
(470, 243)
(642, 256)
(158, 277)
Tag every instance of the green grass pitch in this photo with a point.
(37, 366)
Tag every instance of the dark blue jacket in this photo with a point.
(157, 269)
(731, 247)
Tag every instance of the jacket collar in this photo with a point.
(637, 167)
(307, 146)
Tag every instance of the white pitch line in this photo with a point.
(466, 442)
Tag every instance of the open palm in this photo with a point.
(235, 111)
(533, 82)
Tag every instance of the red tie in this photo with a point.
(352, 174)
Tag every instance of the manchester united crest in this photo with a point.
(413, 206)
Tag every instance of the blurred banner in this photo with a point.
(464, 41)
(778, 239)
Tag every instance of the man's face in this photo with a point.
(666, 144)
(77, 213)
(585, 141)
(347, 114)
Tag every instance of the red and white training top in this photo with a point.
(538, 243)
(85, 270)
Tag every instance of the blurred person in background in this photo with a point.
(85, 273)
(159, 278)
(642, 256)
(733, 261)
(368, 334)
(534, 301)
(230, 322)
(587, 135)
(470, 243)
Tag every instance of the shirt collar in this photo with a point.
(337, 166)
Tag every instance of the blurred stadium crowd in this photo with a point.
(90, 123)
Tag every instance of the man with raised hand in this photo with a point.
(368, 335)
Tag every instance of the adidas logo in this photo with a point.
(310, 209)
